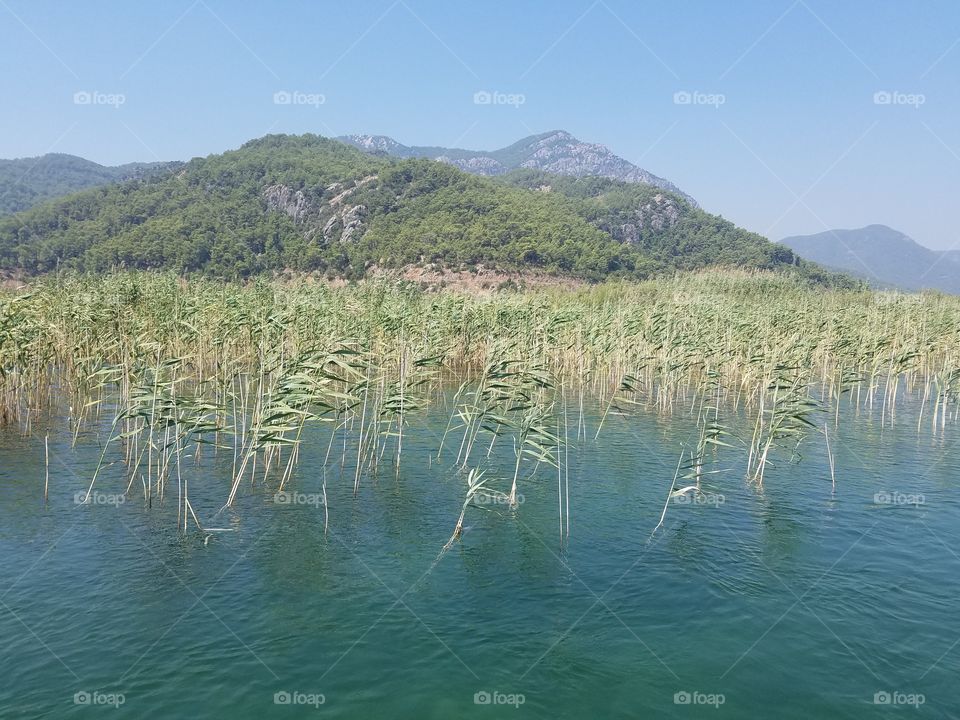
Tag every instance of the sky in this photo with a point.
(785, 116)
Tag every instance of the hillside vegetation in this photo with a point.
(307, 203)
(26, 182)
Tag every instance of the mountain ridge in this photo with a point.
(26, 182)
(313, 204)
(555, 151)
(883, 256)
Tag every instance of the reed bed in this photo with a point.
(175, 367)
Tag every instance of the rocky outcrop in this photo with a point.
(555, 152)
(476, 165)
(376, 144)
(345, 225)
(661, 213)
(342, 194)
(352, 220)
(333, 220)
(563, 154)
(284, 199)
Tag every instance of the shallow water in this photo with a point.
(790, 602)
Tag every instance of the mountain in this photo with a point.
(26, 182)
(883, 256)
(307, 203)
(556, 152)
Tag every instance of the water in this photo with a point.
(790, 602)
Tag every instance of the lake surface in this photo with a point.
(793, 601)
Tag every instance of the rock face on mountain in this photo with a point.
(377, 143)
(476, 165)
(883, 256)
(659, 214)
(556, 152)
(563, 154)
(662, 212)
(334, 219)
(284, 199)
(313, 204)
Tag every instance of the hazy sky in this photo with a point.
(802, 115)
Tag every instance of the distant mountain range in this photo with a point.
(26, 182)
(311, 204)
(557, 152)
(882, 256)
(547, 201)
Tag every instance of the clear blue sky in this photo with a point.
(799, 144)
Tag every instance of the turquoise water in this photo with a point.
(793, 601)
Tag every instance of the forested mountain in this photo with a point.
(556, 152)
(882, 256)
(26, 182)
(309, 203)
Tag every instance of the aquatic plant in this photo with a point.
(160, 370)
